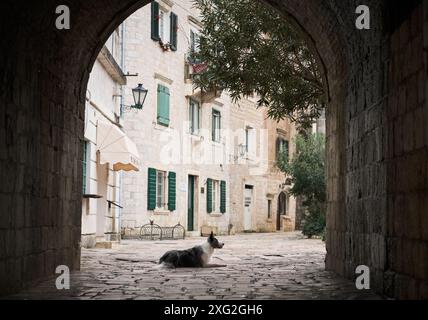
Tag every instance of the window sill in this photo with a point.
(216, 214)
(196, 136)
(161, 212)
(161, 127)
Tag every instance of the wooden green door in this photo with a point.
(191, 204)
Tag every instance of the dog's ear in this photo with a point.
(211, 237)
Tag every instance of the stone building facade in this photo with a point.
(102, 176)
(260, 200)
(206, 162)
(281, 135)
(179, 159)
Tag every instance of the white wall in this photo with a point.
(102, 104)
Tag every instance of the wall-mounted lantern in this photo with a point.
(140, 94)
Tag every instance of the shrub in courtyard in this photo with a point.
(315, 222)
(307, 172)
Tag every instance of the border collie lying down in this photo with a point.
(196, 257)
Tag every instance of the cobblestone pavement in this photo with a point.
(259, 266)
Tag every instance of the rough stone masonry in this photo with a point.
(376, 127)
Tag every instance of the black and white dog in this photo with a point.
(196, 257)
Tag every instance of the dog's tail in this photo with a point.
(170, 258)
(163, 258)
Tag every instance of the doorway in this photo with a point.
(282, 209)
(191, 203)
(248, 205)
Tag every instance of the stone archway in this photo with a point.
(44, 73)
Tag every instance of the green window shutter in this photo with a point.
(213, 128)
(223, 197)
(155, 21)
(85, 157)
(151, 189)
(173, 33)
(172, 187)
(209, 195)
(163, 105)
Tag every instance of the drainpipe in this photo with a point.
(88, 98)
(122, 64)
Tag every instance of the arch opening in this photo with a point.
(70, 92)
(43, 94)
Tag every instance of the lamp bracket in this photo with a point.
(131, 75)
(129, 109)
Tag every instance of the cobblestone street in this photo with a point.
(259, 266)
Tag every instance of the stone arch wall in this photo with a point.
(354, 73)
(43, 79)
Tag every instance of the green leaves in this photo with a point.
(307, 167)
(250, 48)
(307, 171)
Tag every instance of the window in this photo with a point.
(163, 105)
(247, 139)
(194, 116)
(114, 45)
(160, 189)
(282, 148)
(216, 187)
(194, 41)
(250, 140)
(160, 185)
(194, 47)
(216, 125)
(164, 26)
(85, 165)
(269, 209)
(216, 196)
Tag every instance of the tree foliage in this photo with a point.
(307, 171)
(307, 167)
(250, 48)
